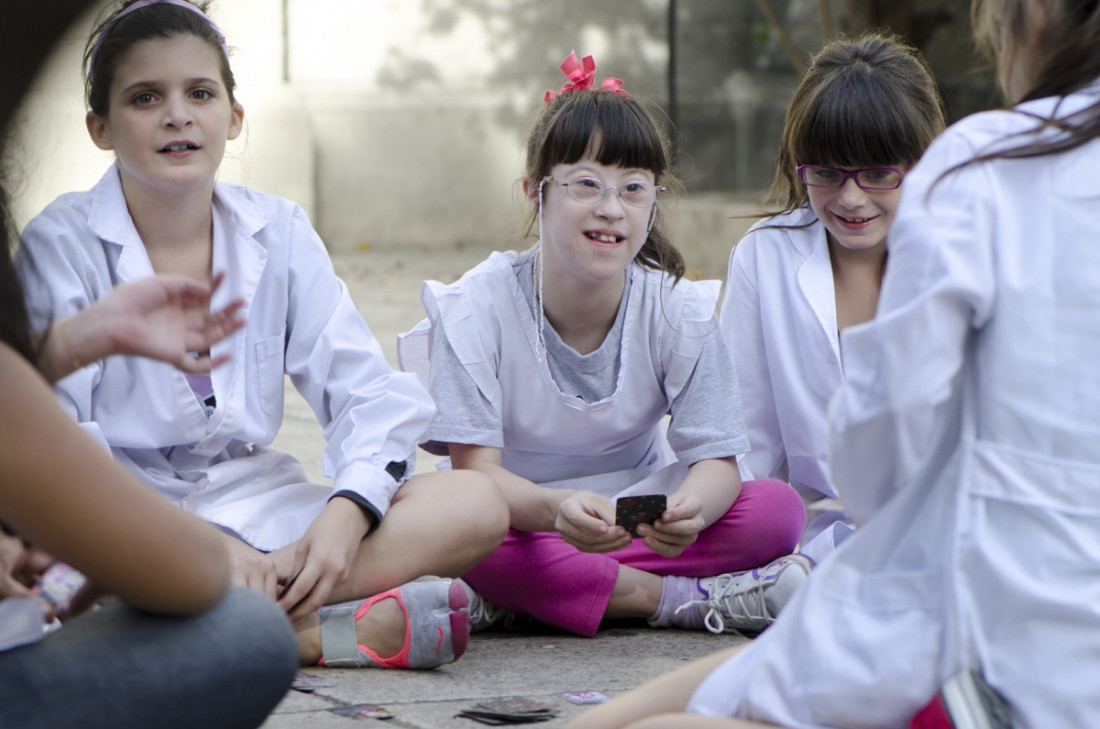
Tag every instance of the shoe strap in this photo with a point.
(339, 641)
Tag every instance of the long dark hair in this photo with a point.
(615, 130)
(27, 37)
(866, 102)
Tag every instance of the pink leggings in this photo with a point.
(539, 574)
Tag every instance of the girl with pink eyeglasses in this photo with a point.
(862, 115)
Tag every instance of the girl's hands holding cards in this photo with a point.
(586, 520)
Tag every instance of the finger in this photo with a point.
(315, 599)
(297, 589)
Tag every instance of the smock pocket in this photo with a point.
(869, 657)
(270, 373)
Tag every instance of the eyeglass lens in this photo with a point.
(589, 190)
(874, 178)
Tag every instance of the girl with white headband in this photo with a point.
(160, 93)
(554, 369)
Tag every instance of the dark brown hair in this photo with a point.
(616, 131)
(111, 39)
(866, 102)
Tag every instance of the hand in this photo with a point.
(18, 571)
(322, 557)
(678, 527)
(252, 568)
(586, 520)
(167, 318)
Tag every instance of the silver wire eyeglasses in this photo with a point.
(589, 191)
(868, 178)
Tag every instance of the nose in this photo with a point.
(611, 207)
(851, 195)
(177, 113)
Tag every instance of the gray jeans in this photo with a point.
(118, 668)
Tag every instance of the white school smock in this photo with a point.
(965, 444)
(300, 322)
(614, 446)
(779, 318)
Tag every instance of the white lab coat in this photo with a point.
(964, 442)
(300, 322)
(615, 446)
(779, 318)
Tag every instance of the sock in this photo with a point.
(676, 591)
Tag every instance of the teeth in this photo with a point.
(604, 238)
(178, 147)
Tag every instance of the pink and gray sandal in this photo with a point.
(437, 627)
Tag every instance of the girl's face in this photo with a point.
(855, 218)
(592, 242)
(170, 114)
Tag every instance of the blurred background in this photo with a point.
(399, 124)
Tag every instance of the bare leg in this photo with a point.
(636, 594)
(660, 703)
(439, 524)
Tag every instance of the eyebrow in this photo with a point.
(197, 81)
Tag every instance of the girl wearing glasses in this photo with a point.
(862, 115)
(553, 369)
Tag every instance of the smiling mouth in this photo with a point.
(604, 237)
(854, 221)
(184, 147)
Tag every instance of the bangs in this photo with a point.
(612, 129)
(839, 132)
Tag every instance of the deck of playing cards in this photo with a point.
(497, 712)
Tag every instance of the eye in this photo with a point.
(825, 175)
(635, 188)
(588, 182)
(878, 175)
(202, 94)
(143, 99)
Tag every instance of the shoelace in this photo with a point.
(725, 594)
(484, 614)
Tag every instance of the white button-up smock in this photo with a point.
(779, 318)
(300, 322)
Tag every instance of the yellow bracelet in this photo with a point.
(63, 332)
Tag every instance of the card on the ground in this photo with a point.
(363, 711)
(585, 697)
(630, 511)
(514, 710)
(307, 682)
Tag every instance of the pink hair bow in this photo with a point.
(582, 74)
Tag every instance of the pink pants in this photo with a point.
(539, 574)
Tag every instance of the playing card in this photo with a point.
(514, 710)
(307, 682)
(585, 697)
(363, 711)
(630, 511)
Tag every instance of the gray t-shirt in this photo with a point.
(705, 416)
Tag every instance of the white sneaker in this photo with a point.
(484, 614)
(749, 601)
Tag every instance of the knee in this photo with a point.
(776, 508)
(249, 624)
(488, 509)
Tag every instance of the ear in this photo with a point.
(236, 122)
(531, 192)
(97, 130)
